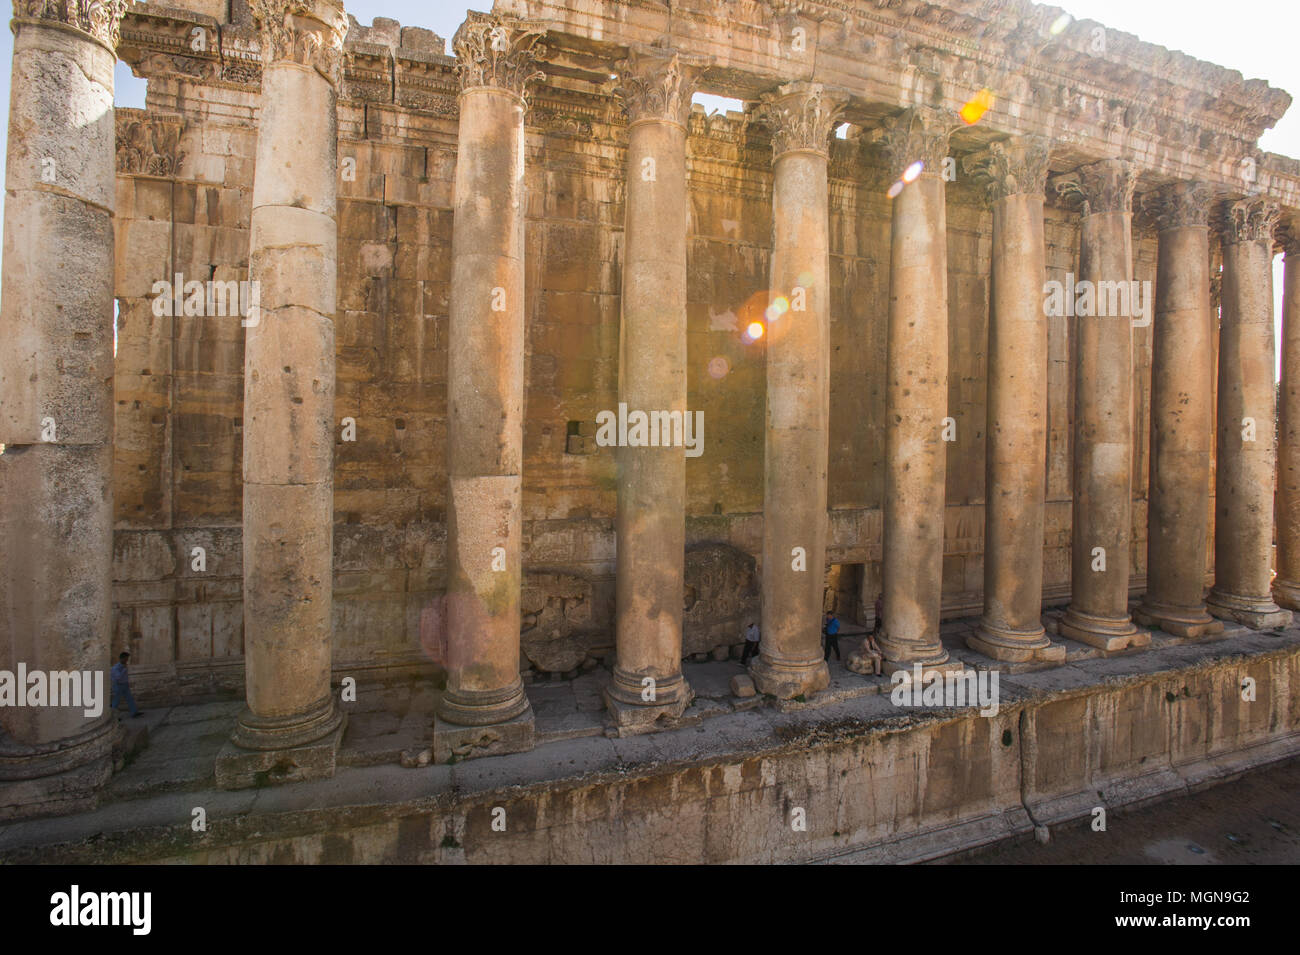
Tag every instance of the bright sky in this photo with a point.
(1256, 37)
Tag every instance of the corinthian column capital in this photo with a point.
(1249, 220)
(801, 116)
(1179, 204)
(100, 19)
(657, 84)
(1104, 186)
(497, 52)
(917, 134)
(1011, 167)
(306, 32)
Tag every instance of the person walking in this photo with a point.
(831, 635)
(122, 684)
(751, 643)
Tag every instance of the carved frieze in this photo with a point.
(801, 116)
(498, 52)
(101, 19)
(1010, 167)
(148, 143)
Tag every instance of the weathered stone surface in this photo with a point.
(742, 686)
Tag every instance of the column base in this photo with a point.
(628, 688)
(484, 707)
(903, 654)
(453, 742)
(58, 779)
(241, 768)
(1015, 646)
(1185, 622)
(632, 719)
(1286, 594)
(1110, 634)
(788, 680)
(890, 667)
(1258, 613)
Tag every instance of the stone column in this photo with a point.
(484, 710)
(656, 88)
(798, 393)
(1101, 534)
(292, 725)
(1286, 586)
(1014, 175)
(1182, 363)
(916, 395)
(56, 399)
(1243, 498)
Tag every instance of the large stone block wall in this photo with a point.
(184, 199)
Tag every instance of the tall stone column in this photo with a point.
(1103, 413)
(1182, 364)
(1014, 175)
(1286, 586)
(292, 725)
(798, 393)
(916, 396)
(656, 88)
(484, 710)
(1243, 498)
(56, 399)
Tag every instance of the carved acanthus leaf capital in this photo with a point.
(1179, 204)
(917, 134)
(306, 32)
(1104, 186)
(1011, 167)
(1249, 220)
(497, 52)
(1288, 236)
(657, 84)
(801, 116)
(101, 19)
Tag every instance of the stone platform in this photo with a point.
(876, 782)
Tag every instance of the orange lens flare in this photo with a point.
(978, 105)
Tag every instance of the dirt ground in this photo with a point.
(1254, 820)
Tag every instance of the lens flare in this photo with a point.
(895, 189)
(912, 171)
(1059, 24)
(780, 305)
(718, 367)
(978, 105)
(754, 331)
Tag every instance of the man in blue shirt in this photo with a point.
(122, 684)
(831, 634)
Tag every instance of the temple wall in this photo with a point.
(184, 198)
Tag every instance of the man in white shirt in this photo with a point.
(751, 643)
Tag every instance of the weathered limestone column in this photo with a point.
(916, 396)
(484, 710)
(798, 393)
(656, 88)
(1182, 423)
(293, 724)
(1243, 498)
(1103, 415)
(1014, 174)
(56, 399)
(1286, 585)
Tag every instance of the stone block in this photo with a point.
(452, 743)
(742, 686)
